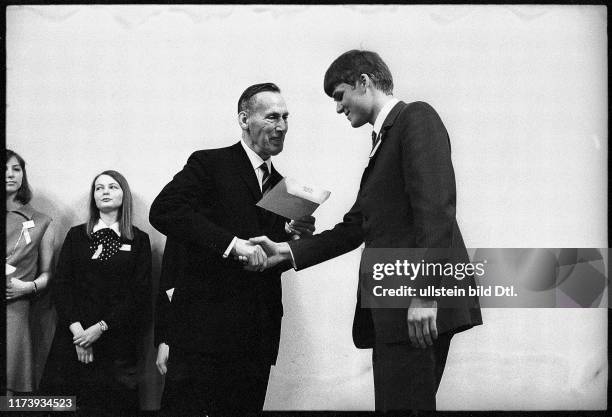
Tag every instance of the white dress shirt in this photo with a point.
(256, 162)
(101, 225)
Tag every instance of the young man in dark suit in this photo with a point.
(406, 200)
(219, 332)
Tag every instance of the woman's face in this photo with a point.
(108, 194)
(14, 176)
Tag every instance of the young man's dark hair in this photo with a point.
(350, 65)
(246, 98)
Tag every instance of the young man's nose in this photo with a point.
(339, 108)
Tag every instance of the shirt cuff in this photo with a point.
(230, 247)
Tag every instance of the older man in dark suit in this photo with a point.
(406, 200)
(221, 326)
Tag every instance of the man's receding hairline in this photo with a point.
(252, 101)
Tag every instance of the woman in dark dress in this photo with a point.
(101, 292)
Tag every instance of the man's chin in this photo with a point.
(276, 149)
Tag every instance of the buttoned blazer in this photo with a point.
(217, 306)
(406, 199)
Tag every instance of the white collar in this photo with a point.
(384, 112)
(255, 159)
(101, 225)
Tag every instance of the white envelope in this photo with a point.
(292, 199)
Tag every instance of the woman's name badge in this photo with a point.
(126, 247)
(97, 253)
(27, 225)
(10, 269)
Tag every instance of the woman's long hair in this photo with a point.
(125, 211)
(24, 194)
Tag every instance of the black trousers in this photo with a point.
(407, 378)
(214, 384)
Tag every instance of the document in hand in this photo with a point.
(291, 199)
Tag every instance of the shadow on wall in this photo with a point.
(43, 317)
(64, 215)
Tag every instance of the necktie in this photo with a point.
(266, 217)
(374, 139)
(265, 183)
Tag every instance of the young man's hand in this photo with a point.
(421, 318)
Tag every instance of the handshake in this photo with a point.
(260, 253)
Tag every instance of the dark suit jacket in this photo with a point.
(217, 306)
(406, 200)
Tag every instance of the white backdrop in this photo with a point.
(522, 91)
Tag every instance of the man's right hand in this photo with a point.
(421, 318)
(254, 256)
(277, 251)
(163, 351)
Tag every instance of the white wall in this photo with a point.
(521, 89)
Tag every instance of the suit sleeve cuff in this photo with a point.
(230, 247)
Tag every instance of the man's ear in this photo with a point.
(364, 81)
(243, 119)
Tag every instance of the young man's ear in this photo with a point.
(364, 81)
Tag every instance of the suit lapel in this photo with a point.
(387, 124)
(275, 177)
(246, 171)
(270, 219)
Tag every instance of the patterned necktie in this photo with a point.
(265, 183)
(375, 138)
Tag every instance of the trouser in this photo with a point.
(214, 384)
(407, 378)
